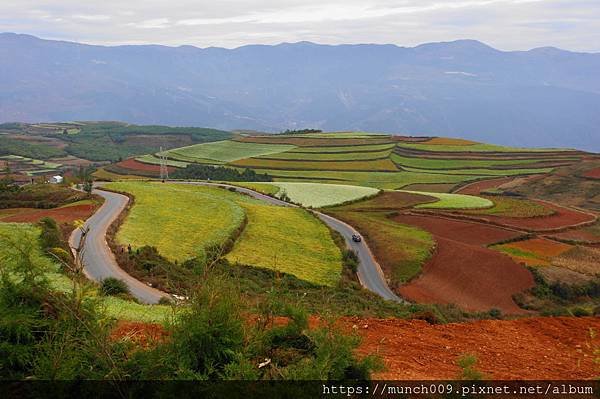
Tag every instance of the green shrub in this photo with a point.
(468, 363)
(580, 312)
(113, 286)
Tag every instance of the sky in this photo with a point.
(504, 24)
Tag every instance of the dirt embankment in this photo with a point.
(541, 348)
(463, 271)
(537, 348)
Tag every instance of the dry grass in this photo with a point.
(584, 260)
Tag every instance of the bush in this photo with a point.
(350, 260)
(51, 235)
(495, 313)
(113, 286)
(467, 363)
(580, 312)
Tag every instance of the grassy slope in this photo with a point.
(225, 151)
(454, 201)
(290, 240)
(178, 220)
(114, 307)
(480, 147)
(154, 160)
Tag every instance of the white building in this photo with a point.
(56, 179)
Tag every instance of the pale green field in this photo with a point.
(483, 172)
(289, 240)
(380, 180)
(479, 147)
(318, 195)
(444, 164)
(179, 220)
(453, 201)
(355, 148)
(226, 151)
(154, 160)
(341, 135)
(339, 156)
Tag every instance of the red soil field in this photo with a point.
(593, 174)
(479, 186)
(462, 271)
(136, 165)
(61, 215)
(542, 348)
(562, 218)
(578, 235)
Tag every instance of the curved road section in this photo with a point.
(369, 272)
(98, 260)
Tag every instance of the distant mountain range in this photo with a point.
(541, 97)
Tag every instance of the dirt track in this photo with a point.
(462, 271)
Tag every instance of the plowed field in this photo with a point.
(66, 214)
(464, 272)
(593, 174)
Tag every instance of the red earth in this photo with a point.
(62, 215)
(562, 218)
(593, 173)
(137, 165)
(559, 348)
(543, 348)
(479, 186)
(464, 272)
(578, 235)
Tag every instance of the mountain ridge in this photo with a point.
(540, 97)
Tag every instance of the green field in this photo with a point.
(479, 147)
(355, 148)
(154, 160)
(194, 217)
(484, 172)
(26, 236)
(374, 165)
(289, 240)
(428, 163)
(337, 156)
(453, 201)
(340, 135)
(369, 179)
(179, 220)
(225, 151)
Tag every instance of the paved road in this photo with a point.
(99, 261)
(369, 273)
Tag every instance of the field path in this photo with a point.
(99, 261)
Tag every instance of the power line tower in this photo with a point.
(164, 170)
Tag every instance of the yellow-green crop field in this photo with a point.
(290, 240)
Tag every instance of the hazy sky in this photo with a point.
(505, 24)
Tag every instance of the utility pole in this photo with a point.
(164, 170)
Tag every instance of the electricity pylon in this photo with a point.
(164, 170)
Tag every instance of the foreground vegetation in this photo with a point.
(65, 334)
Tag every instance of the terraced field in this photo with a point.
(224, 151)
(454, 201)
(329, 156)
(376, 165)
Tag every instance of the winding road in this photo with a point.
(100, 263)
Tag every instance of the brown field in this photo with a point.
(134, 165)
(71, 161)
(541, 249)
(388, 201)
(580, 259)
(479, 186)
(589, 234)
(556, 274)
(462, 271)
(313, 142)
(593, 173)
(381, 165)
(431, 188)
(67, 214)
(538, 348)
(562, 218)
(448, 141)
